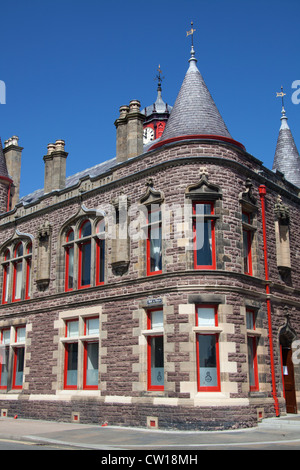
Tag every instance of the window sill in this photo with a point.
(154, 332)
(207, 329)
(253, 333)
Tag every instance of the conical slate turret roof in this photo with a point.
(194, 112)
(287, 159)
(3, 167)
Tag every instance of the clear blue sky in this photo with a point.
(68, 65)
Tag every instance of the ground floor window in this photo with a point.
(12, 357)
(252, 351)
(155, 351)
(207, 349)
(81, 357)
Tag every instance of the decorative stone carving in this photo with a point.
(44, 256)
(151, 196)
(287, 333)
(282, 212)
(203, 190)
(120, 257)
(247, 199)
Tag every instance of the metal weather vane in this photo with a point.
(281, 95)
(158, 77)
(191, 32)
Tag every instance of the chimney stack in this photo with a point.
(13, 154)
(55, 166)
(129, 131)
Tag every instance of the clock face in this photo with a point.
(148, 135)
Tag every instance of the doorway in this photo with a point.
(288, 379)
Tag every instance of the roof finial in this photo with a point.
(191, 33)
(284, 124)
(193, 59)
(281, 95)
(159, 78)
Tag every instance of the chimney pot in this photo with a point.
(134, 106)
(51, 148)
(60, 145)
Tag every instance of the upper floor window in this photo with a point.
(154, 240)
(247, 242)
(84, 254)
(204, 235)
(16, 267)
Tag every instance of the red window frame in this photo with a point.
(16, 351)
(252, 342)
(15, 270)
(211, 266)
(6, 268)
(248, 234)
(150, 226)
(85, 357)
(28, 272)
(67, 345)
(216, 388)
(82, 244)
(100, 253)
(3, 387)
(69, 247)
(149, 351)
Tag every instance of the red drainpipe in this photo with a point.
(262, 193)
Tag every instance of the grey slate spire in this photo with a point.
(3, 167)
(287, 159)
(194, 111)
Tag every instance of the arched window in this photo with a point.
(100, 252)
(17, 272)
(84, 247)
(69, 250)
(6, 276)
(84, 264)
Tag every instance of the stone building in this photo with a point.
(160, 288)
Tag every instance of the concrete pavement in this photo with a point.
(272, 433)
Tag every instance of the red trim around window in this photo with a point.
(5, 280)
(249, 246)
(80, 249)
(27, 286)
(14, 386)
(216, 388)
(150, 227)
(211, 266)
(149, 327)
(17, 350)
(85, 357)
(68, 387)
(252, 340)
(67, 260)
(3, 387)
(80, 267)
(15, 270)
(100, 260)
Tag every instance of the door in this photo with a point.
(289, 380)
